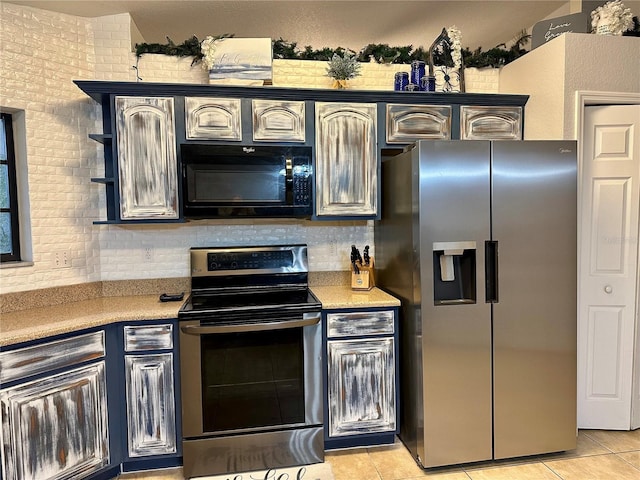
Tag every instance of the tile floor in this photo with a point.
(601, 455)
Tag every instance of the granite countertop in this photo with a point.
(343, 296)
(40, 322)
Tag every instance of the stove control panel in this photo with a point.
(248, 260)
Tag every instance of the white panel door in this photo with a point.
(147, 161)
(346, 160)
(607, 310)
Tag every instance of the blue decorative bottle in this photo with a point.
(417, 71)
(428, 84)
(401, 80)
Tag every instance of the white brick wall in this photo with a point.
(41, 53)
(374, 76)
(297, 74)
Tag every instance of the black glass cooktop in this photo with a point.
(253, 301)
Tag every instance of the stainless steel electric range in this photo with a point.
(250, 361)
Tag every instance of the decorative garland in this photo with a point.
(498, 56)
(191, 47)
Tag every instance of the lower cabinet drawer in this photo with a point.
(138, 338)
(49, 356)
(352, 324)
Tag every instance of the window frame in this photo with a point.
(13, 211)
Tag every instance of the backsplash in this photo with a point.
(160, 251)
(43, 52)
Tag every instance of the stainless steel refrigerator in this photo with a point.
(478, 240)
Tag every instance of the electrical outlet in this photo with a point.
(333, 248)
(147, 253)
(62, 259)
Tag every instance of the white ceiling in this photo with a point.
(349, 24)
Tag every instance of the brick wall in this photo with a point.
(287, 73)
(41, 53)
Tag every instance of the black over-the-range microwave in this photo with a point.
(225, 181)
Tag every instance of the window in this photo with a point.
(9, 226)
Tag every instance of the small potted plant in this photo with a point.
(343, 68)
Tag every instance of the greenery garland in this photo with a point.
(498, 56)
(189, 48)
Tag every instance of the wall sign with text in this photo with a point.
(546, 30)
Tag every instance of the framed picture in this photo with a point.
(243, 58)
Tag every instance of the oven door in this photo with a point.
(250, 377)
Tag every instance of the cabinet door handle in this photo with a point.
(491, 271)
(307, 320)
(288, 164)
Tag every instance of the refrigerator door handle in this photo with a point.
(491, 271)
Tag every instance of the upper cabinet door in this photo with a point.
(213, 118)
(278, 121)
(147, 165)
(346, 160)
(408, 123)
(490, 123)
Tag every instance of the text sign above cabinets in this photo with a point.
(145, 124)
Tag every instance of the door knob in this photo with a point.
(608, 289)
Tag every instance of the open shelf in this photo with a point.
(101, 137)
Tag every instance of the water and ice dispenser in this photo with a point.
(454, 273)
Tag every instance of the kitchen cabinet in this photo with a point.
(361, 377)
(278, 121)
(409, 123)
(150, 386)
(146, 158)
(210, 118)
(346, 160)
(490, 123)
(349, 131)
(53, 400)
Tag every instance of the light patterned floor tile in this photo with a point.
(616, 441)
(631, 457)
(164, 474)
(508, 462)
(591, 460)
(351, 464)
(440, 475)
(394, 462)
(585, 446)
(597, 467)
(527, 471)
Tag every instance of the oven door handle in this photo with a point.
(307, 319)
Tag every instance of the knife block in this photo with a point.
(365, 279)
